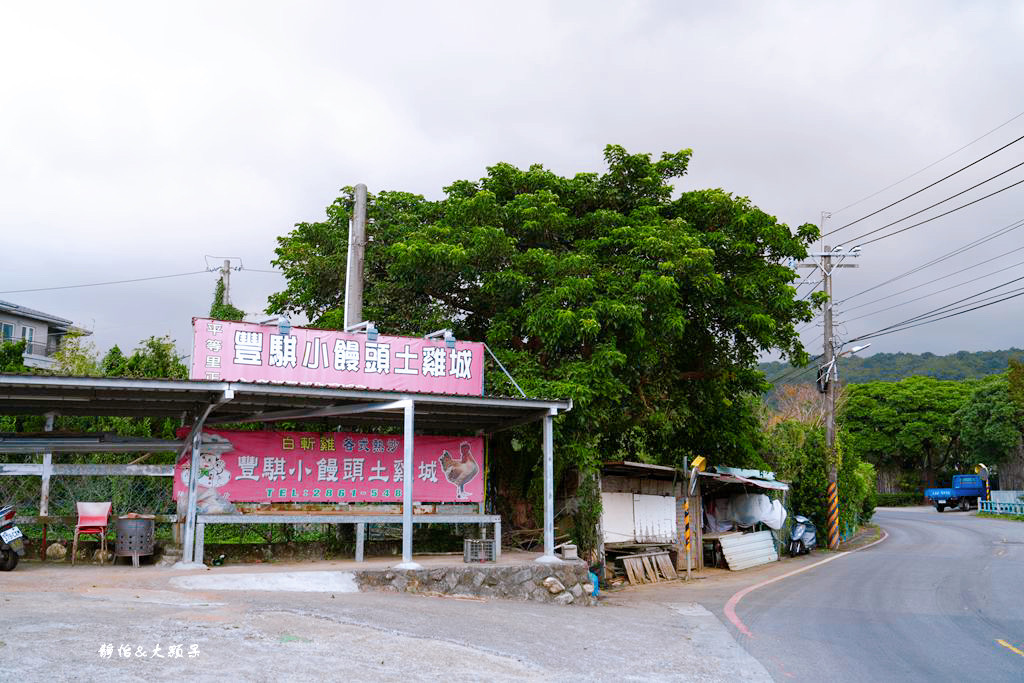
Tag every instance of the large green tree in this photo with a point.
(648, 309)
(906, 426)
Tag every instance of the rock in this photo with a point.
(564, 599)
(522, 576)
(588, 588)
(102, 556)
(576, 591)
(553, 585)
(400, 583)
(56, 551)
(493, 579)
(452, 579)
(437, 574)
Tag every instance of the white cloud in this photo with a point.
(137, 138)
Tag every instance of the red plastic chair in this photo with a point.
(93, 519)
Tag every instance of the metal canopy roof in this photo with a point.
(626, 468)
(117, 396)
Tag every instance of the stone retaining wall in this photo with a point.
(563, 584)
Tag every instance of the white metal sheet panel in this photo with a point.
(617, 517)
(748, 550)
(654, 518)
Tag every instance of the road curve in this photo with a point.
(942, 598)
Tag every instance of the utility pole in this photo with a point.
(830, 404)
(827, 376)
(356, 252)
(225, 277)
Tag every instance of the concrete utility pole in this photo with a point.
(356, 252)
(830, 404)
(225, 276)
(827, 375)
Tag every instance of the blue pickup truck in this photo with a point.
(967, 489)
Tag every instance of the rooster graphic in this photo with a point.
(459, 471)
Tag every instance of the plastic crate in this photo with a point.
(478, 550)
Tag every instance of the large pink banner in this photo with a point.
(329, 467)
(236, 351)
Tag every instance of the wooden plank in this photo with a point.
(627, 564)
(665, 564)
(653, 575)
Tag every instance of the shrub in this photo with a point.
(894, 500)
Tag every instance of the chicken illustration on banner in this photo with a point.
(461, 471)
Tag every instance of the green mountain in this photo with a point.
(891, 367)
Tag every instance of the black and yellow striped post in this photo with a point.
(686, 533)
(833, 516)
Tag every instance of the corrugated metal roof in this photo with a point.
(743, 551)
(38, 394)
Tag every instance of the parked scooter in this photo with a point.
(12, 546)
(803, 536)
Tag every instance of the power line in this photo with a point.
(931, 185)
(257, 270)
(943, 277)
(955, 252)
(941, 309)
(885, 331)
(100, 284)
(934, 163)
(925, 296)
(929, 220)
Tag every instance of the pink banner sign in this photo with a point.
(329, 467)
(248, 352)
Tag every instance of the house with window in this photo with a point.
(42, 332)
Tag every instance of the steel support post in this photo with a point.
(407, 480)
(360, 540)
(549, 491)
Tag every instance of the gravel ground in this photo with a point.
(59, 621)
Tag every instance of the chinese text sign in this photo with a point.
(237, 351)
(331, 467)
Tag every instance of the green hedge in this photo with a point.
(896, 500)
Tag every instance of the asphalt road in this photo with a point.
(931, 603)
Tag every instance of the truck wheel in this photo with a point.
(965, 504)
(940, 507)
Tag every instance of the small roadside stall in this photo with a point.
(744, 517)
(641, 529)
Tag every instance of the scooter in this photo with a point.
(12, 547)
(803, 536)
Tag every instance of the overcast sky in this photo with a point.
(136, 138)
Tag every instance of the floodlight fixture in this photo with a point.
(446, 334)
(366, 326)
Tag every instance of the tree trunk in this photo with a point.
(1011, 472)
(889, 479)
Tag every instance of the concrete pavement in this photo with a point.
(74, 623)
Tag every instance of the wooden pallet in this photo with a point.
(648, 567)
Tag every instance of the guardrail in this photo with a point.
(999, 508)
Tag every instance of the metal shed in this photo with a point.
(198, 403)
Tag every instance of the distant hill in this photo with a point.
(892, 367)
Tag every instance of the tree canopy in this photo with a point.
(648, 309)
(907, 425)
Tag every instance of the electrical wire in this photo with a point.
(934, 163)
(885, 331)
(795, 372)
(100, 284)
(943, 309)
(943, 277)
(925, 296)
(955, 252)
(257, 270)
(858, 238)
(926, 187)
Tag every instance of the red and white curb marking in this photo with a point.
(730, 607)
